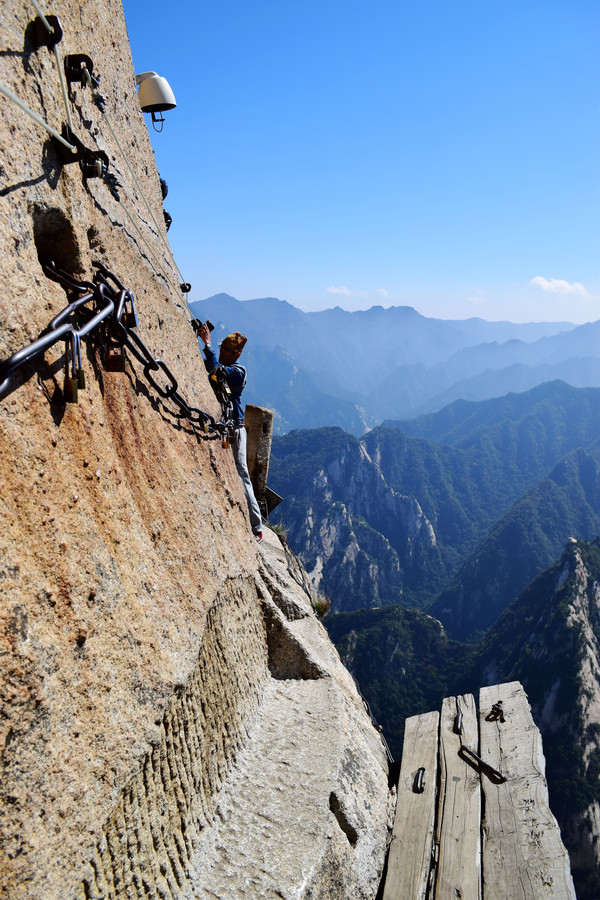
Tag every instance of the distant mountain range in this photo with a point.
(454, 512)
(356, 369)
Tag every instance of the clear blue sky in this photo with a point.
(440, 155)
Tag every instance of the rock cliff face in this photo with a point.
(174, 721)
(550, 638)
(362, 541)
(583, 622)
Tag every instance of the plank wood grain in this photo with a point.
(523, 855)
(458, 829)
(411, 849)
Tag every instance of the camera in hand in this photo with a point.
(197, 325)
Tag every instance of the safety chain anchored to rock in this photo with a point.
(112, 303)
(113, 313)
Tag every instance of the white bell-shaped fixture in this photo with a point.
(155, 94)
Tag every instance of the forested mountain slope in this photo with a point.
(394, 518)
(523, 541)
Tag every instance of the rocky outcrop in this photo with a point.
(174, 721)
(457, 522)
(550, 638)
(363, 543)
(265, 779)
(582, 721)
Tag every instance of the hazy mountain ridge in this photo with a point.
(374, 364)
(517, 378)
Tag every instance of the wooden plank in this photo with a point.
(409, 859)
(458, 830)
(523, 854)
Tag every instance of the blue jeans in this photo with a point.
(239, 454)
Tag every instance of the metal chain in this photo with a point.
(112, 307)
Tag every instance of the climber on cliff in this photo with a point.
(235, 376)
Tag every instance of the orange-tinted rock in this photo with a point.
(133, 648)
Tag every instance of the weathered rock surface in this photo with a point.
(167, 696)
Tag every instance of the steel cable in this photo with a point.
(36, 118)
(61, 77)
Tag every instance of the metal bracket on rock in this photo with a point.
(93, 163)
(75, 65)
(41, 37)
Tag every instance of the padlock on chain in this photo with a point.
(72, 358)
(70, 389)
(115, 360)
(130, 319)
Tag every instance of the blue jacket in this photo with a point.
(236, 379)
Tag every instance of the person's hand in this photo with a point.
(204, 333)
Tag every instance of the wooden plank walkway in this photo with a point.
(458, 832)
(523, 854)
(473, 820)
(411, 849)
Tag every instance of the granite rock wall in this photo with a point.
(153, 658)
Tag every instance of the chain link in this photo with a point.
(113, 315)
